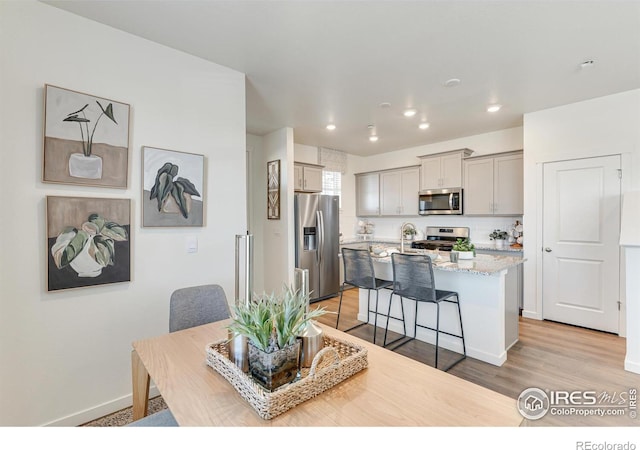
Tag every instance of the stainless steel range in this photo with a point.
(441, 238)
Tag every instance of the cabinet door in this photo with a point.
(410, 188)
(297, 178)
(508, 185)
(312, 179)
(430, 178)
(451, 171)
(368, 194)
(390, 193)
(477, 195)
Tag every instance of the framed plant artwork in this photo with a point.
(88, 241)
(172, 188)
(86, 139)
(273, 190)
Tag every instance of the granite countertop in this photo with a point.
(480, 265)
(396, 241)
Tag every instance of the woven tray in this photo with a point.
(336, 362)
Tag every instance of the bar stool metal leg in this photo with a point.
(404, 325)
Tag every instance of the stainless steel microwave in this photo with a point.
(440, 201)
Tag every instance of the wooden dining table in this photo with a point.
(392, 391)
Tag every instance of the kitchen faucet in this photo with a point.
(406, 224)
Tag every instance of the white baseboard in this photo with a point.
(631, 366)
(104, 409)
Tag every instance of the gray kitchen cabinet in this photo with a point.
(493, 185)
(399, 192)
(368, 194)
(307, 177)
(442, 170)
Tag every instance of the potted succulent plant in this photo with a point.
(272, 324)
(89, 249)
(464, 248)
(500, 237)
(409, 232)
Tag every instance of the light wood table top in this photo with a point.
(393, 391)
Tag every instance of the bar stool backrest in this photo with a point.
(358, 268)
(413, 277)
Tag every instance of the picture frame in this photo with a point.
(86, 139)
(88, 241)
(173, 191)
(273, 190)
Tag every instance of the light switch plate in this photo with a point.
(192, 244)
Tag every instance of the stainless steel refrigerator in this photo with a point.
(317, 242)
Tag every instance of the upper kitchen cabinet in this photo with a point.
(493, 185)
(368, 194)
(307, 177)
(443, 170)
(399, 192)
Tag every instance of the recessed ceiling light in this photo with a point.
(493, 108)
(410, 112)
(370, 127)
(373, 138)
(385, 105)
(452, 82)
(331, 127)
(424, 125)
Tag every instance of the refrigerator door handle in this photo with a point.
(320, 225)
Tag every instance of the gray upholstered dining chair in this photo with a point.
(413, 279)
(189, 307)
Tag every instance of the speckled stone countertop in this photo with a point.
(396, 242)
(480, 265)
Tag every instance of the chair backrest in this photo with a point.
(413, 277)
(197, 305)
(358, 268)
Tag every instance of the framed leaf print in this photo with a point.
(86, 139)
(173, 188)
(88, 241)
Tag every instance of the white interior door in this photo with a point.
(580, 253)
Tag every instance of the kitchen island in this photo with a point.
(487, 286)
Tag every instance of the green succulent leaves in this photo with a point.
(166, 186)
(273, 322)
(99, 234)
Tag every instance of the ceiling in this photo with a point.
(310, 63)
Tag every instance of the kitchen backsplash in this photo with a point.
(479, 227)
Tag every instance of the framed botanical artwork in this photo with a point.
(88, 241)
(273, 189)
(86, 139)
(172, 188)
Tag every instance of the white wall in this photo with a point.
(65, 356)
(602, 126)
(278, 248)
(480, 227)
(257, 214)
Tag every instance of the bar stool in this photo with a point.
(359, 272)
(413, 279)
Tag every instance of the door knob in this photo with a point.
(547, 249)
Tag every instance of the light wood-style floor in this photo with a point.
(548, 355)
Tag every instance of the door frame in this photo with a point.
(625, 185)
